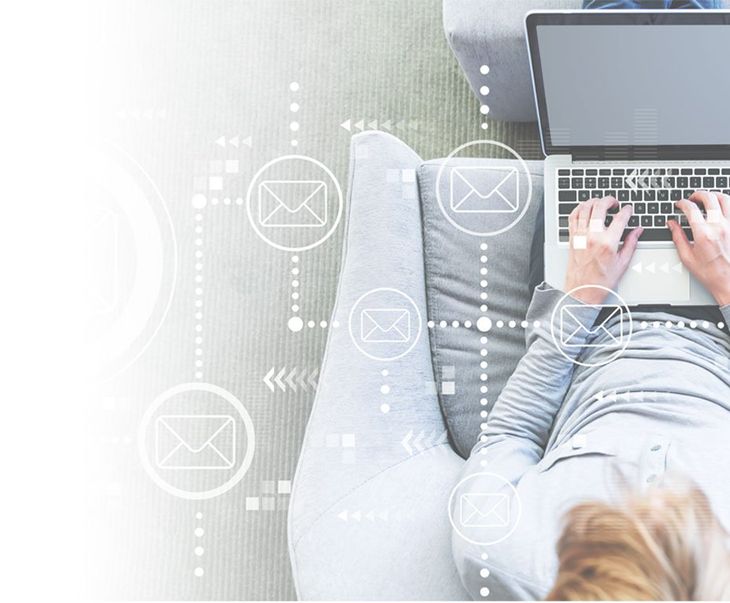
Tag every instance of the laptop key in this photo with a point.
(604, 182)
(656, 234)
(649, 195)
(640, 208)
(695, 182)
(563, 182)
(577, 183)
(637, 195)
(623, 195)
(666, 208)
(565, 209)
(646, 221)
(682, 182)
(563, 221)
(634, 221)
(708, 182)
(589, 183)
(675, 195)
(584, 195)
(596, 194)
(652, 208)
(660, 221)
(713, 171)
(662, 195)
(567, 196)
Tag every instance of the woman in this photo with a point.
(583, 423)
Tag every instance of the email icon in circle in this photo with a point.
(484, 190)
(480, 510)
(195, 442)
(385, 325)
(575, 332)
(292, 204)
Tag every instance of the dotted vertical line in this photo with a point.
(385, 390)
(294, 109)
(199, 204)
(295, 322)
(199, 551)
(484, 91)
(484, 574)
(483, 325)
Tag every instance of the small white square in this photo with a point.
(252, 503)
(448, 388)
(268, 504)
(284, 486)
(580, 242)
(231, 166)
(215, 183)
(332, 440)
(408, 176)
(348, 440)
(448, 372)
(714, 216)
(392, 175)
(595, 225)
(215, 166)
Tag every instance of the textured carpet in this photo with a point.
(178, 76)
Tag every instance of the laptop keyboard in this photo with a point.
(652, 192)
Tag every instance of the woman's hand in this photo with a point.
(595, 257)
(708, 259)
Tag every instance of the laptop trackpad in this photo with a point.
(656, 276)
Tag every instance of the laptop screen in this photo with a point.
(639, 87)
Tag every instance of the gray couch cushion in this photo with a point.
(452, 260)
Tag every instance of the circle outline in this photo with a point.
(615, 355)
(247, 457)
(522, 163)
(340, 202)
(516, 521)
(415, 339)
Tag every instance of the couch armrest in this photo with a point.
(492, 33)
(361, 500)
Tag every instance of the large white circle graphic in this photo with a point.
(463, 217)
(243, 464)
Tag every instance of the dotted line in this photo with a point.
(484, 573)
(484, 91)
(483, 324)
(198, 301)
(385, 390)
(693, 324)
(294, 108)
(226, 201)
(199, 551)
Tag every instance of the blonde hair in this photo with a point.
(665, 545)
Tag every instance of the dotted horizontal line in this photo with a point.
(468, 324)
(692, 324)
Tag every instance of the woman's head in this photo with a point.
(665, 545)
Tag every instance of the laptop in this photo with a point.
(636, 105)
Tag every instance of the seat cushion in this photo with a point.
(453, 260)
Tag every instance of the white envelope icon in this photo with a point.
(195, 441)
(484, 510)
(385, 325)
(573, 329)
(103, 263)
(293, 204)
(473, 190)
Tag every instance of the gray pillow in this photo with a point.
(453, 288)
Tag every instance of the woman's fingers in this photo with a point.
(597, 220)
(694, 216)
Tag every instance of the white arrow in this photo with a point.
(677, 267)
(221, 142)
(288, 379)
(248, 141)
(267, 379)
(651, 268)
(302, 379)
(401, 124)
(373, 125)
(357, 516)
(234, 141)
(277, 379)
(347, 125)
(664, 268)
(387, 125)
(360, 125)
(405, 442)
(312, 379)
(637, 267)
